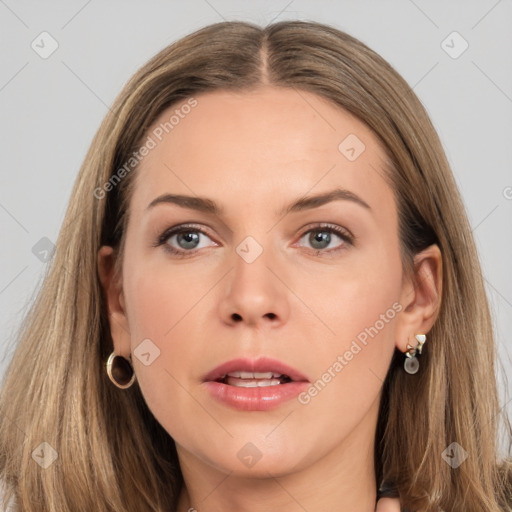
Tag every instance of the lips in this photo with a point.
(254, 385)
(264, 369)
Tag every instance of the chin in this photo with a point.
(257, 460)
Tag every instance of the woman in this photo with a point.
(265, 295)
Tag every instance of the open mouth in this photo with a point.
(254, 384)
(254, 379)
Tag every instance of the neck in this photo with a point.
(343, 479)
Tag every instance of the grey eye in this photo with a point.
(319, 239)
(188, 239)
(322, 238)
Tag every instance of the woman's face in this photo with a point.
(288, 250)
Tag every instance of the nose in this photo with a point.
(253, 295)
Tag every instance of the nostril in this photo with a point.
(237, 318)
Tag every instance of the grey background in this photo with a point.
(51, 108)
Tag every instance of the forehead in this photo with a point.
(260, 146)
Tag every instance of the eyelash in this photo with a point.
(344, 234)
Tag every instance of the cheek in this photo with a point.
(158, 299)
(354, 294)
(351, 366)
(353, 356)
(160, 295)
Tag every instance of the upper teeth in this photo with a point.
(254, 375)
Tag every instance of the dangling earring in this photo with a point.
(411, 363)
(120, 371)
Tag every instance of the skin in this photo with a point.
(254, 153)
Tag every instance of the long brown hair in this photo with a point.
(112, 455)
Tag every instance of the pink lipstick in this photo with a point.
(254, 385)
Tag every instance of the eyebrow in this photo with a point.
(309, 202)
(206, 205)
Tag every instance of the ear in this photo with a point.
(112, 287)
(420, 297)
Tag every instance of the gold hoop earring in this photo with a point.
(411, 363)
(120, 371)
